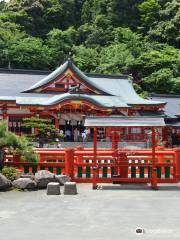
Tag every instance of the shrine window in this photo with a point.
(58, 85)
(135, 130)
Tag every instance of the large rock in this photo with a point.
(62, 179)
(43, 177)
(4, 182)
(25, 183)
(27, 175)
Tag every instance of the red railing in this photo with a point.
(127, 165)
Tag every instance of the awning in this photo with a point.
(117, 121)
(174, 124)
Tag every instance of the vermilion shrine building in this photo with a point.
(67, 95)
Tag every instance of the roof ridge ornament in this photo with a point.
(75, 89)
(70, 58)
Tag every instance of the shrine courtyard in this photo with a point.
(113, 212)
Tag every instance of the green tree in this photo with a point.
(86, 15)
(10, 35)
(86, 58)
(61, 43)
(20, 18)
(46, 129)
(155, 59)
(149, 11)
(16, 144)
(175, 85)
(122, 13)
(48, 14)
(159, 81)
(132, 40)
(115, 59)
(167, 28)
(30, 53)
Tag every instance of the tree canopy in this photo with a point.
(136, 37)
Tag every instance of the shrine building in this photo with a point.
(67, 96)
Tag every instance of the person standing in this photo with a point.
(84, 136)
(76, 135)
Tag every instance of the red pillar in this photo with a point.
(154, 169)
(115, 139)
(115, 151)
(69, 162)
(177, 163)
(57, 123)
(95, 159)
(5, 116)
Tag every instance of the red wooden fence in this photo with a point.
(127, 165)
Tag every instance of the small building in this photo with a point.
(67, 95)
(171, 113)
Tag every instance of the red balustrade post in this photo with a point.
(160, 156)
(154, 168)
(69, 162)
(80, 156)
(95, 159)
(123, 165)
(115, 139)
(177, 163)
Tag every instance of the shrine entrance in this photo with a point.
(123, 163)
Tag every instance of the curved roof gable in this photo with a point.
(60, 71)
(99, 100)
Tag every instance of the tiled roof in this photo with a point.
(119, 88)
(100, 100)
(172, 108)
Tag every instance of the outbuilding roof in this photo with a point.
(123, 122)
(172, 107)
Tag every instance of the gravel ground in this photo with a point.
(111, 213)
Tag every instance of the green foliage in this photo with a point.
(175, 85)
(29, 53)
(60, 44)
(149, 11)
(115, 58)
(138, 37)
(167, 27)
(139, 91)
(16, 144)
(86, 58)
(159, 81)
(46, 129)
(10, 172)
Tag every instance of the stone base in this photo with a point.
(53, 188)
(70, 188)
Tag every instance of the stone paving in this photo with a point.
(113, 212)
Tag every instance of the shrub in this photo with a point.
(10, 172)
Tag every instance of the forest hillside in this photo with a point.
(136, 37)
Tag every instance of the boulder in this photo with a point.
(25, 183)
(27, 175)
(43, 177)
(62, 179)
(70, 188)
(53, 188)
(4, 182)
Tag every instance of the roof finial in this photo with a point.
(70, 56)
